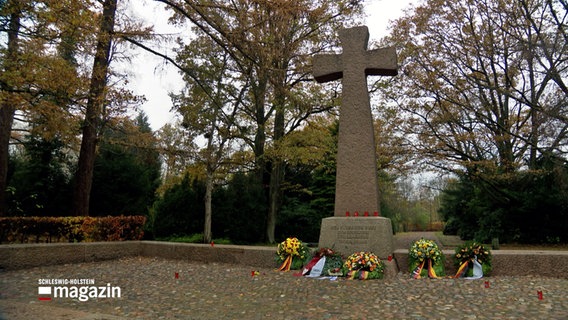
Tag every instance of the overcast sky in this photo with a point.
(150, 77)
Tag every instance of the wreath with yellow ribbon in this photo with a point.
(291, 254)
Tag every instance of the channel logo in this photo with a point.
(75, 289)
(44, 293)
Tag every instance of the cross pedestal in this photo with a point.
(356, 186)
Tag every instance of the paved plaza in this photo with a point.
(150, 290)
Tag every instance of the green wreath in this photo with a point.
(333, 261)
(469, 251)
(420, 252)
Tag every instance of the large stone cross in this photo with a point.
(356, 186)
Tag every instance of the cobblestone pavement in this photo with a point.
(150, 290)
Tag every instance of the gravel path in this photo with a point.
(149, 290)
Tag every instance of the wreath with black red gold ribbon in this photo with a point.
(425, 259)
(467, 253)
(363, 266)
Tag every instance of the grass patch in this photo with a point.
(519, 246)
(449, 241)
(455, 241)
(194, 238)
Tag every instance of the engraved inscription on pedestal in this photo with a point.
(350, 234)
(354, 235)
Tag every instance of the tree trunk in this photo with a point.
(259, 92)
(6, 119)
(277, 172)
(210, 170)
(8, 106)
(84, 175)
(276, 177)
(259, 96)
(207, 236)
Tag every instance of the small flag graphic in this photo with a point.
(44, 291)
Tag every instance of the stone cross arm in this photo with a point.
(356, 183)
(355, 57)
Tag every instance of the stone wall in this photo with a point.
(20, 256)
(508, 262)
(255, 256)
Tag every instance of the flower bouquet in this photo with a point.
(425, 259)
(469, 251)
(363, 265)
(291, 254)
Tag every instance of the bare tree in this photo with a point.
(269, 44)
(483, 83)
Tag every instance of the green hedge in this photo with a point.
(70, 229)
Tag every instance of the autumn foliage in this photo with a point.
(70, 229)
